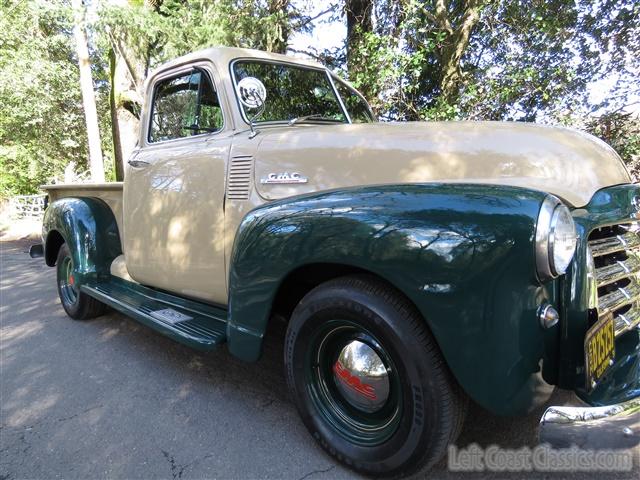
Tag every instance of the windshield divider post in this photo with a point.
(335, 91)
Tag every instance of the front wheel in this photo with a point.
(76, 303)
(368, 379)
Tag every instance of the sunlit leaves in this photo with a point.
(41, 122)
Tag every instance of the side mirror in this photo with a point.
(252, 92)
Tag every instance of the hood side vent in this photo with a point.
(239, 179)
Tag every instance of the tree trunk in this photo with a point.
(127, 71)
(115, 126)
(125, 101)
(96, 166)
(359, 23)
(280, 40)
(455, 44)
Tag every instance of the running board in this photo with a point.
(192, 323)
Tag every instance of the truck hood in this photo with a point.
(567, 163)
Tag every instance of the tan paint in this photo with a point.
(177, 236)
(119, 269)
(174, 218)
(564, 162)
(110, 193)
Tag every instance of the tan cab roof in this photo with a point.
(224, 55)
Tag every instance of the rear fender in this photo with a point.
(89, 228)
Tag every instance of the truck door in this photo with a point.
(174, 188)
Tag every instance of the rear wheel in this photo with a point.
(76, 303)
(368, 379)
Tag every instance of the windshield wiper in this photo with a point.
(315, 116)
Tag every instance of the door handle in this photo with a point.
(138, 163)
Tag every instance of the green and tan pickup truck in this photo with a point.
(418, 265)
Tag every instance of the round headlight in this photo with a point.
(556, 239)
(562, 239)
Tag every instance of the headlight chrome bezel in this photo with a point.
(545, 238)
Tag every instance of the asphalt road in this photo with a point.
(109, 398)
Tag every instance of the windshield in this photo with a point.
(292, 91)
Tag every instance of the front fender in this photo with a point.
(89, 228)
(463, 254)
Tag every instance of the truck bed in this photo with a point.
(110, 193)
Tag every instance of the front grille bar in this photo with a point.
(616, 254)
(618, 271)
(607, 246)
(619, 298)
(627, 321)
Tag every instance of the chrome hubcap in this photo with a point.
(68, 286)
(361, 377)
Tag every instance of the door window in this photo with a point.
(184, 106)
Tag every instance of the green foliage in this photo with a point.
(159, 33)
(622, 132)
(524, 60)
(163, 30)
(41, 123)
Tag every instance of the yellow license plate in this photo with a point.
(599, 348)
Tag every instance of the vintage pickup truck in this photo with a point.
(417, 265)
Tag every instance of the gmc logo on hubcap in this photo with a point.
(354, 382)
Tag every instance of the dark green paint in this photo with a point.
(464, 254)
(609, 206)
(89, 228)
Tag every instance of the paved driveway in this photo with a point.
(109, 398)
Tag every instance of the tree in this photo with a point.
(525, 60)
(128, 52)
(622, 132)
(139, 35)
(359, 24)
(509, 59)
(88, 96)
(41, 121)
(455, 26)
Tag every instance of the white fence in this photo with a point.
(29, 207)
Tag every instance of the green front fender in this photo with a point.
(463, 254)
(89, 228)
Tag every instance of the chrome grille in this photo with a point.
(239, 180)
(616, 255)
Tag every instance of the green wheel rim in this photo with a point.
(68, 287)
(356, 426)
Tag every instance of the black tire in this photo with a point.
(76, 303)
(424, 406)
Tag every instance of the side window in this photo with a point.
(184, 106)
(356, 105)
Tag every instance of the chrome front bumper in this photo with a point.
(592, 428)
